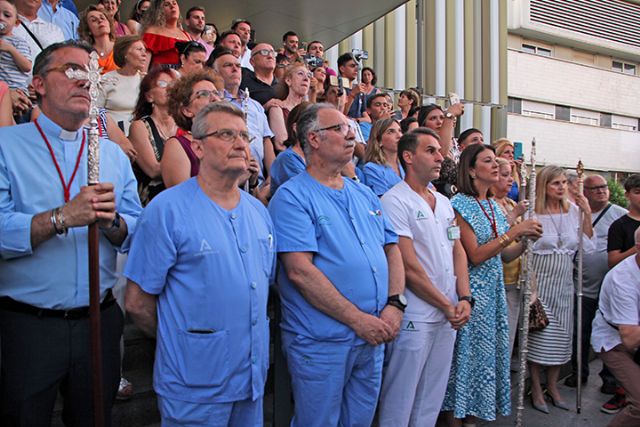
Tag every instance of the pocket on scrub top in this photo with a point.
(204, 357)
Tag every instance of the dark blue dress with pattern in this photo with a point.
(479, 383)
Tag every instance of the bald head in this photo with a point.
(263, 58)
(597, 192)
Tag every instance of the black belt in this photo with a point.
(10, 304)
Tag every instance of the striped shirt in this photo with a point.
(9, 71)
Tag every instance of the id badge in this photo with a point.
(453, 232)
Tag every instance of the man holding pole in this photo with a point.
(45, 207)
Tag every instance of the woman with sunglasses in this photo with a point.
(161, 32)
(193, 56)
(151, 127)
(292, 90)
(382, 169)
(187, 96)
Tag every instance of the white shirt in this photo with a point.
(412, 217)
(595, 265)
(564, 226)
(245, 59)
(619, 304)
(46, 32)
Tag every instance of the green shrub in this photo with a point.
(617, 193)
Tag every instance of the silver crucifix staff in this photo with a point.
(95, 79)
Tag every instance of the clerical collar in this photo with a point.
(53, 129)
(66, 135)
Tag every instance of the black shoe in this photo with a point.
(608, 387)
(572, 381)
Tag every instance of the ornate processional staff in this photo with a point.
(580, 172)
(529, 275)
(92, 74)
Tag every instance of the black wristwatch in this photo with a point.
(399, 301)
(114, 225)
(468, 298)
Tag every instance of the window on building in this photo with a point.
(538, 109)
(536, 49)
(514, 105)
(624, 123)
(585, 117)
(623, 67)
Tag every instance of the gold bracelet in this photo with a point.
(504, 240)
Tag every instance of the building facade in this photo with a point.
(566, 72)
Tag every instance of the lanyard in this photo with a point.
(492, 220)
(65, 187)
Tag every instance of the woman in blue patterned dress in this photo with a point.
(479, 385)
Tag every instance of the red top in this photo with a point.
(162, 48)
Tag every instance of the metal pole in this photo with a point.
(579, 171)
(420, 44)
(527, 271)
(92, 74)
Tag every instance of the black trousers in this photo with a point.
(589, 308)
(44, 355)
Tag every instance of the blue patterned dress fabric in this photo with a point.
(479, 383)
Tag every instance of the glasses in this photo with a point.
(598, 188)
(265, 52)
(205, 93)
(228, 135)
(282, 65)
(342, 128)
(66, 67)
(307, 74)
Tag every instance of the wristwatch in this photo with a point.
(399, 301)
(114, 225)
(468, 298)
(449, 116)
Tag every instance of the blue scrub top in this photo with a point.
(346, 231)
(211, 269)
(287, 165)
(380, 178)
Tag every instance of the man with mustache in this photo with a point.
(342, 279)
(45, 206)
(202, 259)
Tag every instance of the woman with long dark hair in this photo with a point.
(479, 382)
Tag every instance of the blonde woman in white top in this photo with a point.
(553, 265)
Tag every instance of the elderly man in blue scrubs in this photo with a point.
(342, 279)
(199, 272)
(45, 206)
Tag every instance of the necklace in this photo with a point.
(65, 187)
(558, 229)
(492, 220)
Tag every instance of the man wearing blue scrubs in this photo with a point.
(204, 255)
(342, 281)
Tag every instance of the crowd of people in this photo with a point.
(230, 169)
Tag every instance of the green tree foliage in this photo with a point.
(617, 193)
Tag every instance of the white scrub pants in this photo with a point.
(417, 365)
